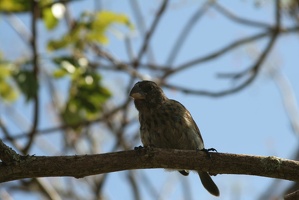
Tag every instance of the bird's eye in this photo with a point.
(148, 88)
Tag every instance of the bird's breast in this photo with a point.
(166, 128)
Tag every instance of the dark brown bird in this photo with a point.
(166, 123)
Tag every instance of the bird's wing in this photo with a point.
(184, 119)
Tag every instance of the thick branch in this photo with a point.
(85, 165)
(292, 196)
(7, 154)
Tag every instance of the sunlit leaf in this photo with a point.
(5, 71)
(86, 95)
(7, 91)
(15, 5)
(103, 20)
(59, 73)
(90, 28)
(67, 66)
(49, 19)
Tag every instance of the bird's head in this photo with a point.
(147, 95)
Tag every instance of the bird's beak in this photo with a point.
(136, 93)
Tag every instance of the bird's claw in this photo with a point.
(147, 150)
(207, 151)
(212, 149)
(138, 148)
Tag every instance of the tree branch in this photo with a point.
(86, 165)
(35, 71)
(149, 34)
(238, 19)
(8, 155)
(186, 30)
(292, 196)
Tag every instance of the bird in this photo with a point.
(166, 123)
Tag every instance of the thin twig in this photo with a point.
(240, 20)
(251, 71)
(105, 116)
(216, 54)
(35, 12)
(186, 30)
(152, 30)
(136, 10)
(19, 27)
(117, 64)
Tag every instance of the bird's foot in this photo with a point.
(212, 149)
(207, 151)
(145, 150)
(138, 148)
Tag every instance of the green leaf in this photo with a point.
(86, 98)
(7, 91)
(15, 5)
(27, 83)
(59, 44)
(71, 114)
(67, 66)
(49, 19)
(87, 95)
(5, 71)
(103, 20)
(59, 73)
(90, 28)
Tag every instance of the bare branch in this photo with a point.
(238, 19)
(217, 53)
(187, 29)
(62, 127)
(86, 165)
(19, 27)
(7, 154)
(35, 12)
(141, 25)
(152, 30)
(252, 72)
(292, 196)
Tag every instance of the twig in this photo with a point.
(238, 19)
(187, 29)
(120, 65)
(105, 116)
(19, 27)
(134, 185)
(216, 54)
(35, 11)
(136, 10)
(252, 72)
(151, 30)
(6, 132)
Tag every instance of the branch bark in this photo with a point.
(292, 196)
(86, 165)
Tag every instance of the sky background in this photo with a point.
(252, 121)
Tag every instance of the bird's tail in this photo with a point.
(208, 183)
